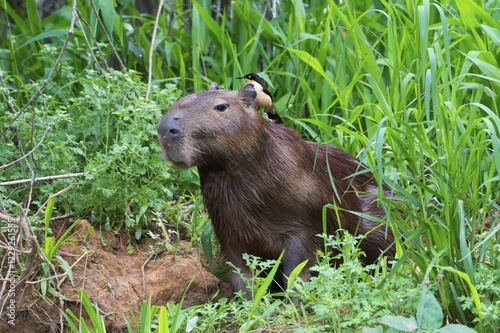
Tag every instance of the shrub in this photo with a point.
(99, 123)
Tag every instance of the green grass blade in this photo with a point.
(163, 321)
(296, 271)
(265, 285)
(48, 214)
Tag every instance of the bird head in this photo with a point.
(252, 77)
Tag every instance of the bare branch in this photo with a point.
(80, 20)
(143, 267)
(22, 181)
(8, 218)
(86, 253)
(31, 264)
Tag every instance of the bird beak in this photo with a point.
(241, 77)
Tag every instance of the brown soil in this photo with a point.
(117, 282)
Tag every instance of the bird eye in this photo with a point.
(221, 107)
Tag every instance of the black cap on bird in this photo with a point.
(264, 99)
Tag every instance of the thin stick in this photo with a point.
(86, 253)
(80, 20)
(8, 218)
(144, 276)
(22, 181)
(151, 49)
(124, 69)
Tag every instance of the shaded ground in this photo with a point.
(117, 282)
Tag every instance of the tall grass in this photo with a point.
(411, 87)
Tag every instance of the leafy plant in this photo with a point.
(153, 318)
(260, 288)
(429, 319)
(78, 323)
(50, 248)
(102, 127)
(487, 284)
(350, 296)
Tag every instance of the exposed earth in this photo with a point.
(117, 281)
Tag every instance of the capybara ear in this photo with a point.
(214, 86)
(247, 94)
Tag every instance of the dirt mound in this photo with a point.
(117, 282)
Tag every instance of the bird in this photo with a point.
(264, 99)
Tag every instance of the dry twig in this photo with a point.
(22, 181)
(144, 276)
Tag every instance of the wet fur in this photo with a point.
(265, 187)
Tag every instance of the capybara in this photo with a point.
(264, 187)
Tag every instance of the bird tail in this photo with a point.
(274, 117)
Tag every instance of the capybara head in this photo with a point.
(206, 127)
(265, 187)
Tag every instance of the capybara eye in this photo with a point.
(221, 107)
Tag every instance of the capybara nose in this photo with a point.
(170, 128)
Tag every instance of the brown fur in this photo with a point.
(265, 187)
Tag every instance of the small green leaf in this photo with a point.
(296, 271)
(162, 320)
(47, 34)
(67, 268)
(493, 33)
(400, 323)
(206, 243)
(48, 214)
(310, 60)
(429, 313)
(48, 246)
(267, 282)
(191, 324)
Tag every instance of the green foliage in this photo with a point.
(157, 319)
(487, 284)
(78, 323)
(153, 318)
(48, 282)
(328, 303)
(429, 319)
(98, 123)
(126, 173)
(50, 246)
(359, 294)
(337, 299)
(260, 288)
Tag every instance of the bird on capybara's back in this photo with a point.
(265, 187)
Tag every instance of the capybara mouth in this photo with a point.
(173, 156)
(179, 164)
